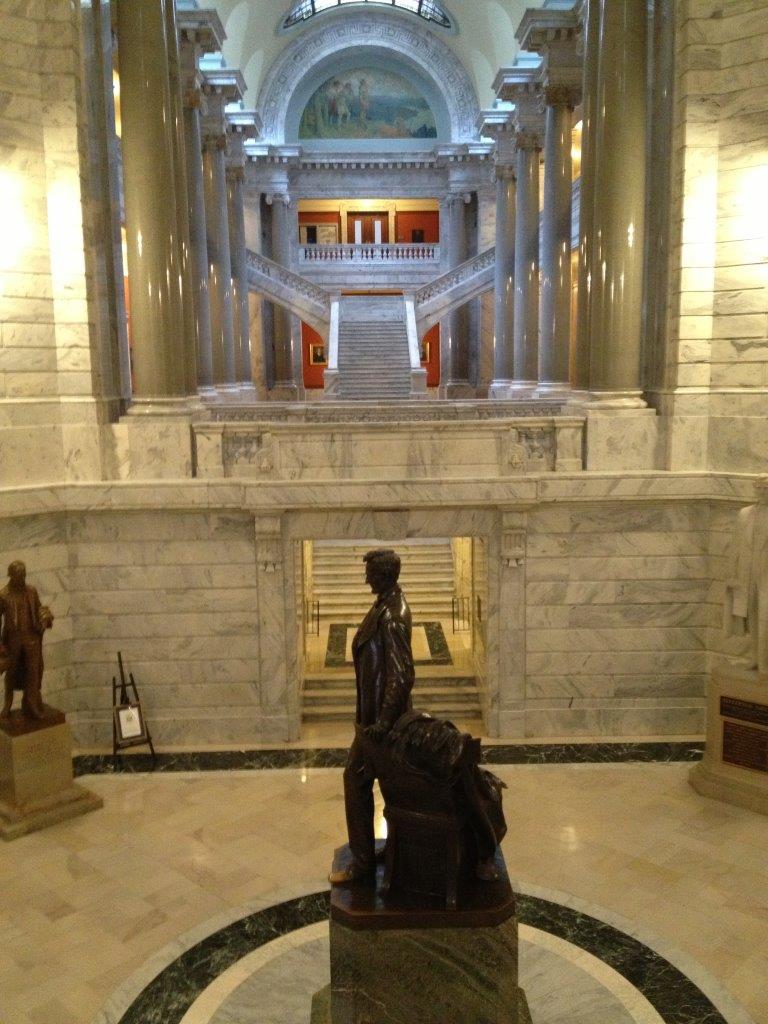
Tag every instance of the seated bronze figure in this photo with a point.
(444, 813)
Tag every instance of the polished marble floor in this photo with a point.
(92, 910)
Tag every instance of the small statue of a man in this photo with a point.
(746, 593)
(384, 673)
(24, 620)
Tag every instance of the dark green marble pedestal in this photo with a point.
(400, 960)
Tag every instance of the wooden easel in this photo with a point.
(121, 698)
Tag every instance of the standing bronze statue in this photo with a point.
(24, 620)
(437, 797)
(384, 674)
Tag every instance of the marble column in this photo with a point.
(219, 263)
(241, 317)
(287, 348)
(454, 329)
(186, 282)
(201, 33)
(555, 307)
(152, 221)
(618, 226)
(504, 286)
(526, 328)
(591, 47)
(198, 237)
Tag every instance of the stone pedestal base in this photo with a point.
(397, 960)
(735, 764)
(621, 439)
(36, 781)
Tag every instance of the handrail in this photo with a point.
(456, 276)
(283, 276)
(416, 252)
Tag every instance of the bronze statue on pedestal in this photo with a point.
(24, 620)
(444, 812)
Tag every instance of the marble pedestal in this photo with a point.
(37, 786)
(399, 960)
(735, 763)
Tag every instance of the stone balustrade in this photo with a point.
(422, 252)
(460, 450)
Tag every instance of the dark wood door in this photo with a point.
(366, 233)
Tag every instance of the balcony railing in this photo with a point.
(416, 252)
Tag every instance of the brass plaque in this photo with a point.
(744, 710)
(745, 746)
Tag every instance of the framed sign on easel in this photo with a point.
(129, 727)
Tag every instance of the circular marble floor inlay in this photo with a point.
(265, 967)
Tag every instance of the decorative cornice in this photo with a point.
(203, 29)
(383, 30)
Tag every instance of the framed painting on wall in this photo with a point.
(319, 234)
(317, 355)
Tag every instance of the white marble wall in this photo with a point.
(601, 596)
(46, 369)
(177, 593)
(619, 612)
(717, 368)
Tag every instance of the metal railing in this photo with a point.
(461, 614)
(312, 618)
(416, 252)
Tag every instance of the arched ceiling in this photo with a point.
(485, 40)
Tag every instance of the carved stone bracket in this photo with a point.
(514, 527)
(269, 544)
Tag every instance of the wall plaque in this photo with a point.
(745, 746)
(744, 710)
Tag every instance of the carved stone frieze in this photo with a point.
(383, 30)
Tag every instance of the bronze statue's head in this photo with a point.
(17, 573)
(382, 569)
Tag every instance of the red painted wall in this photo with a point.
(322, 218)
(432, 339)
(427, 221)
(313, 372)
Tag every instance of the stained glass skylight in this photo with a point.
(430, 10)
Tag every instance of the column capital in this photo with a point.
(276, 198)
(522, 86)
(499, 124)
(559, 94)
(240, 126)
(527, 140)
(504, 172)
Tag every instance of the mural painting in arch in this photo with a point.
(367, 104)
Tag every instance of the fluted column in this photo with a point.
(242, 125)
(201, 32)
(591, 47)
(618, 227)
(186, 282)
(526, 329)
(498, 124)
(286, 341)
(504, 286)
(235, 176)
(152, 221)
(555, 309)
(454, 328)
(219, 263)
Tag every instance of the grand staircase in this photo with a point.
(373, 348)
(427, 577)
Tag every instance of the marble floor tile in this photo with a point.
(88, 905)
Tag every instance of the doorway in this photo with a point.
(446, 587)
(368, 228)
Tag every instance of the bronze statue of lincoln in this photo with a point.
(384, 673)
